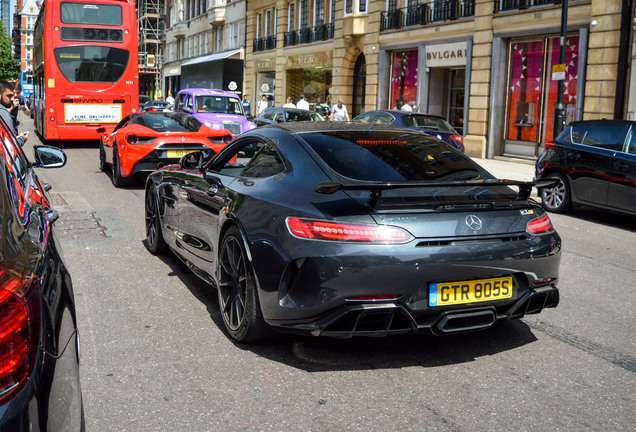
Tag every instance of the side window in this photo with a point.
(364, 117)
(180, 101)
(265, 163)
(383, 118)
(188, 102)
(268, 114)
(574, 134)
(609, 136)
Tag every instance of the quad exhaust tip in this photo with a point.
(466, 321)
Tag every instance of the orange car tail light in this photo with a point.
(131, 138)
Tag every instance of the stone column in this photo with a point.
(475, 141)
(602, 60)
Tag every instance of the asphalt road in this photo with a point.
(155, 357)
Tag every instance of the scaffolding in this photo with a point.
(151, 26)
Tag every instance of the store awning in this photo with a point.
(211, 57)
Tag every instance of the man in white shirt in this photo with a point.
(339, 112)
(302, 103)
(262, 105)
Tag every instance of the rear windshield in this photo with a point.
(218, 104)
(428, 123)
(390, 156)
(90, 14)
(92, 63)
(164, 122)
(606, 135)
(294, 116)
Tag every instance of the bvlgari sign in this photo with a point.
(446, 55)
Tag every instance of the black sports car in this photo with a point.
(341, 229)
(39, 344)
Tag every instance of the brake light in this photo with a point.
(335, 231)
(549, 145)
(18, 342)
(543, 225)
(132, 138)
(227, 139)
(458, 138)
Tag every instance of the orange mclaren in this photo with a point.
(144, 142)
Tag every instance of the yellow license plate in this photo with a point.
(452, 293)
(179, 153)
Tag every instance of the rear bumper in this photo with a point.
(383, 319)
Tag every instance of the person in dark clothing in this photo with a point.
(7, 93)
(19, 104)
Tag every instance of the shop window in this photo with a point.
(403, 76)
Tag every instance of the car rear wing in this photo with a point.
(375, 189)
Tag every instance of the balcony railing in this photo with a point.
(265, 43)
(426, 13)
(309, 34)
(508, 5)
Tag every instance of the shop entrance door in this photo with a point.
(359, 84)
(532, 94)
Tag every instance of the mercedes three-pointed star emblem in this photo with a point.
(473, 222)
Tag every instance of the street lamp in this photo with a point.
(559, 109)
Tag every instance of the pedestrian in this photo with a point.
(302, 103)
(289, 103)
(19, 104)
(247, 106)
(7, 92)
(398, 105)
(406, 107)
(262, 105)
(339, 112)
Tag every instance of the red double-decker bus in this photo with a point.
(86, 71)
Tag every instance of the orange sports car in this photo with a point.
(144, 142)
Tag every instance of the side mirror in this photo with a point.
(192, 160)
(48, 157)
(186, 109)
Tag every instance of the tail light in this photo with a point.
(336, 231)
(458, 138)
(549, 145)
(228, 139)
(132, 138)
(18, 329)
(543, 225)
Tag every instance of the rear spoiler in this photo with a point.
(375, 188)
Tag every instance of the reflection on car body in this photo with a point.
(344, 230)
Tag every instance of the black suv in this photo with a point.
(595, 163)
(39, 343)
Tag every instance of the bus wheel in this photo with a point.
(102, 157)
(118, 180)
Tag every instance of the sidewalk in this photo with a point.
(508, 169)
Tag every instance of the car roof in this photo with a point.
(317, 127)
(607, 121)
(208, 92)
(408, 113)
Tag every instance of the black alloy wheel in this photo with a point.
(154, 239)
(238, 299)
(102, 157)
(118, 180)
(557, 199)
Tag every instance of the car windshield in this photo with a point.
(428, 123)
(169, 122)
(387, 156)
(218, 104)
(302, 115)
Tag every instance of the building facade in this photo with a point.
(28, 14)
(205, 43)
(491, 67)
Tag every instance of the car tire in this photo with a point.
(102, 157)
(238, 298)
(118, 180)
(557, 199)
(154, 237)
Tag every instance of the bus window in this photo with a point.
(91, 14)
(90, 63)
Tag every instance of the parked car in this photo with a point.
(284, 115)
(216, 109)
(143, 100)
(594, 162)
(141, 143)
(154, 106)
(39, 342)
(434, 125)
(347, 229)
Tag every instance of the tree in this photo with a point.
(9, 66)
